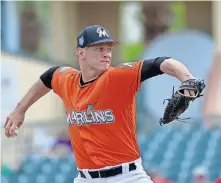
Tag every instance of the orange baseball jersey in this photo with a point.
(101, 115)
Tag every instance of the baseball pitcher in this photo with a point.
(100, 105)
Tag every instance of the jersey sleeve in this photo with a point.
(61, 79)
(127, 76)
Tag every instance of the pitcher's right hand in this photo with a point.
(14, 119)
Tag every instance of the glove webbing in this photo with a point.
(178, 119)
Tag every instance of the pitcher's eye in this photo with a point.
(100, 49)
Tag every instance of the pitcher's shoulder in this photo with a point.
(67, 69)
(122, 68)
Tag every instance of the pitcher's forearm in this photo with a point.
(37, 91)
(176, 69)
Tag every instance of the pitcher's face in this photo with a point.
(99, 56)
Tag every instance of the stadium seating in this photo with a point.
(38, 169)
(175, 149)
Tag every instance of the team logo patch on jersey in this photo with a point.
(62, 69)
(90, 116)
(126, 65)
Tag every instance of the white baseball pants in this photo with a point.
(134, 176)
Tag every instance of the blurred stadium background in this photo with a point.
(36, 35)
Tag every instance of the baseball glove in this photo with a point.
(179, 102)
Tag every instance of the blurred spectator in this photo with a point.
(157, 176)
(56, 143)
(218, 180)
(62, 147)
(200, 175)
(62, 144)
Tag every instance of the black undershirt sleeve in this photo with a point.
(151, 68)
(46, 77)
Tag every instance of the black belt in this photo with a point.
(108, 173)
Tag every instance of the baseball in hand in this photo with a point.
(16, 132)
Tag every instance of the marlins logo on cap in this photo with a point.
(92, 35)
(102, 32)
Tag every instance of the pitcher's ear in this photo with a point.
(80, 53)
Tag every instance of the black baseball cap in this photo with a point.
(92, 35)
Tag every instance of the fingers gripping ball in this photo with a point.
(16, 132)
(179, 102)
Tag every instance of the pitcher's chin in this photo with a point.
(106, 67)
